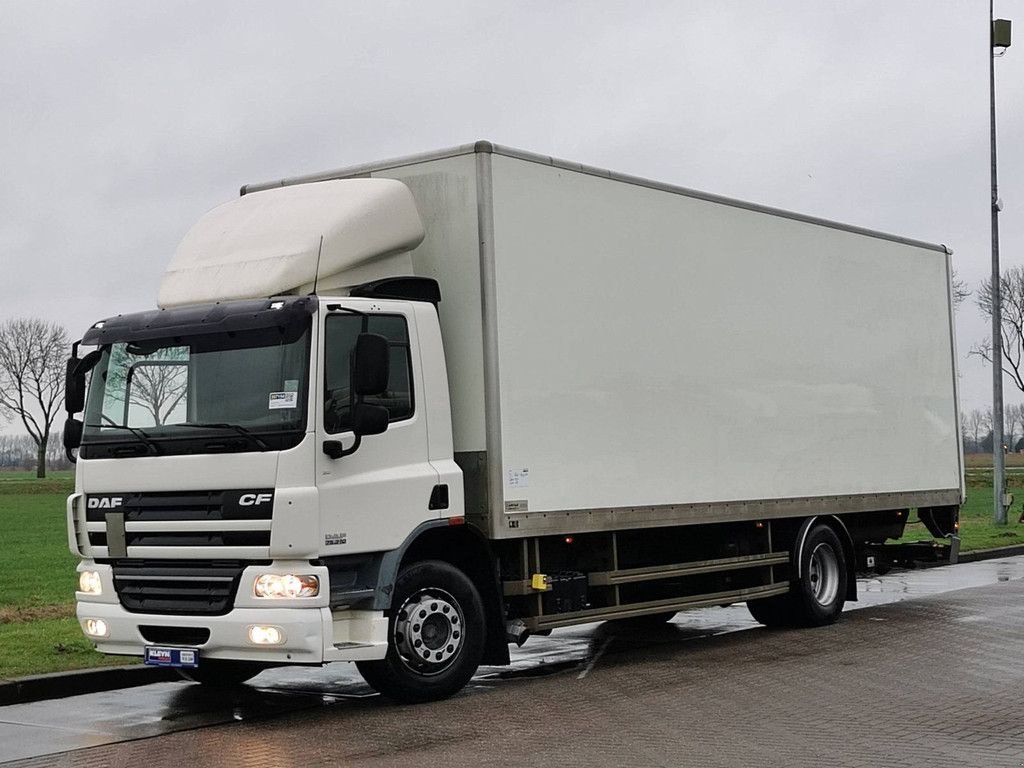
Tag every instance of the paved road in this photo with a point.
(930, 681)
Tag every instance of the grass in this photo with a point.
(977, 531)
(48, 645)
(38, 631)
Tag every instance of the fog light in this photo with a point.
(266, 635)
(89, 583)
(287, 586)
(95, 627)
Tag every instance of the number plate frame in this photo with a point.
(169, 656)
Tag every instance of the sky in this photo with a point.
(124, 122)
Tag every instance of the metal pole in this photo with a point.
(998, 462)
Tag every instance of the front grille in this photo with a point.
(143, 524)
(169, 587)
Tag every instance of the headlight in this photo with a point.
(287, 586)
(89, 583)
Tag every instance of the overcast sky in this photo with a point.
(124, 122)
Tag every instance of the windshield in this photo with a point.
(221, 392)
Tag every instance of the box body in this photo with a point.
(623, 353)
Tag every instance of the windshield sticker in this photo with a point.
(283, 400)
(291, 385)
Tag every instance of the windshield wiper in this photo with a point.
(141, 436)
(222, 425)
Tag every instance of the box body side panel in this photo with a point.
(657, 349)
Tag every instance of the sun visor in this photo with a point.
(272, 242)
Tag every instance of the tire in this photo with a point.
(774, 612)
(819, 595)
(218, 673)
(435, 658)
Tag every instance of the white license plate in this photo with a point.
(162, 656)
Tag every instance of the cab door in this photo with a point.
(373, 498)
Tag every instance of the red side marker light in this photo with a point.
(569, 539)
(456, 521)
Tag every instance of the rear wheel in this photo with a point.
(818, 596)
(435, 635)
(220, 673)
(820, 593)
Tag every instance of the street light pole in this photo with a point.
(999, 37)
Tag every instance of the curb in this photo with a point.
(57, 685)
(991, 554)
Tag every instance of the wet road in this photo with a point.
(565, 694)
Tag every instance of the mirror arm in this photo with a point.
(336, 450)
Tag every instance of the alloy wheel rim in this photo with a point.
(429, 631)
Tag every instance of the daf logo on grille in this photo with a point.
(105, 502)
(254, 499)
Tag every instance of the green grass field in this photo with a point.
(38, 631)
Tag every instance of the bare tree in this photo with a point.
(1013, 417)
(978, 425)
(32, 356)
(1011, 294)
(960, 291)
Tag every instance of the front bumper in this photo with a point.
(311, 635)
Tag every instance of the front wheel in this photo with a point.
(435, 635)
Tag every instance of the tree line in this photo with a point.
(976, 429)
(21, 452)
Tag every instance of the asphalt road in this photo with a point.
(934, 679)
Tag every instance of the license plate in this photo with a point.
(157, 656)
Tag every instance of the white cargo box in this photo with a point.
(623, 353)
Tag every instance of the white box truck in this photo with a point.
(407, 413)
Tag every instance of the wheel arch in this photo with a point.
(849, 554)
(466, 548)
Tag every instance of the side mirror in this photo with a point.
(371, 365)
(74, 387)
(74, 380)
(371, 369)
(366, 420)
(369, 419)
(72, 434)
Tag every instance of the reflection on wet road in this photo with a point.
(49, 727)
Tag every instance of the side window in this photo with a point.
(340, 332)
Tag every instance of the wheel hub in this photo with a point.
(429, 630)
(823, 574)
